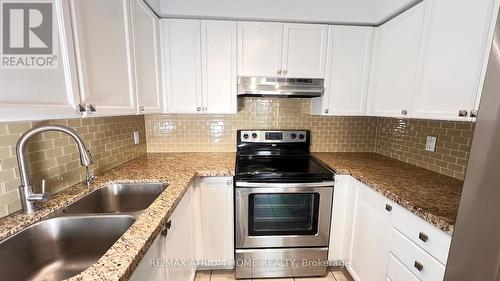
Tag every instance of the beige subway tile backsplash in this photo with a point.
(402, 139)
(54, 156)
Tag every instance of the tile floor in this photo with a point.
(335, 274)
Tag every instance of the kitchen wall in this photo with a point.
(54, 156)
(181, 133)
(402, 139)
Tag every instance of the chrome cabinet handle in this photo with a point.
(388, 207)
(279, 71)
(205, 108)
(422, 236)
(326, 110)
(198, 108)
(166, 227)
(285, 71)
(82, 108)
(463, 113)
(141, 108)
(404, 112)
(474, 113)
(418, 266)
(229, 182)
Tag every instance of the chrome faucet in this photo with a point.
(28, 197)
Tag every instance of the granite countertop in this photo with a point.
(432, 196)
(429, 195)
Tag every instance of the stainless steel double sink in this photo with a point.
(74, 238)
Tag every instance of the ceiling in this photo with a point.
(355, 12)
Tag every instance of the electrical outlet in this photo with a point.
(137, 139)
(430, 145)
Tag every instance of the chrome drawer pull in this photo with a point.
(422, 236)
(418, 266)
(388, 207)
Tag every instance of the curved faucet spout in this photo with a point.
(26, 185)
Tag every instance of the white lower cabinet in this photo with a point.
(171, 258)
(388, 242)
(146, 270)
(215, 221)
(200, 234)
(371, 235)
(344, 198)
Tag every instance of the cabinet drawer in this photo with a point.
(425, 235)
(396, 271)
(419, 262)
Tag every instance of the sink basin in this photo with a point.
(60, 247)
(117, 198)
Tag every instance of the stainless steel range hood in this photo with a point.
(279, 87)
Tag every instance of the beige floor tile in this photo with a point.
(222, 275)
(275, 279)
(328, 277)
(341, 275)
(202, 275)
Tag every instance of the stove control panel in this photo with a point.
(273, 136)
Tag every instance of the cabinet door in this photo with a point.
(104, 54)
(145, 271)
(216, 221)
(371, 236)
(347, 81)
(394, 64)
(29, 94)
(454, 44)
(218, 53)
(146, 57)
(344, 199)
(304, 50)
(180, 249)
(260, 48)
(182, 61)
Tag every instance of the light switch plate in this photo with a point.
(137, 139)
(430, 145)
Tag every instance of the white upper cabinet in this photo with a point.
(200, 66)
(394, 64)
(347, 72)
(30, 94)
(219, 77)
(260, 48)
(454, 45)
(181, 44)
(104, 54)
(147, 57)
(304, 50)
(277, 49)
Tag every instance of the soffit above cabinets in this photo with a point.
(353, 12)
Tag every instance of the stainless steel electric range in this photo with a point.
(283, 203)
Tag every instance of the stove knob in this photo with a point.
(245, 136)
(293, 135)
(302, 136)
(254, 135)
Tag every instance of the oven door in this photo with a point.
(282, 214)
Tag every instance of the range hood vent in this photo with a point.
(280, 87)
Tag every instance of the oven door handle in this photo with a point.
(280, 185)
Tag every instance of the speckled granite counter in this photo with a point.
(431, 196)
(176, 169)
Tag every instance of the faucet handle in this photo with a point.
(45, 195)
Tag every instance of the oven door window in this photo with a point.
(283, 214)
